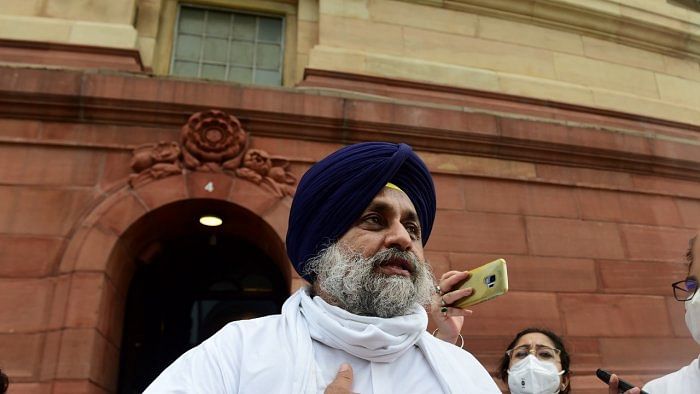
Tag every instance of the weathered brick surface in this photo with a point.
(485, 195)
(449, 191)
(252, 197)
(24, 303)
(120, 136)
(627, 208)
(477, 232)
(591, 252)
(21, 355)
(85, 299)
(689, 211)
(41, 211)
(509, 314)
(670, 186)
(584, 353)
(614, 316)
(643, 277)
(584, 176)
(676, 353)
(579, 136)
(20, 129)
(439, 262)
(49, 355)
(29, 388)
(646, 209)
(162, 191)
(536, 273)
(115, 170)
(85, 354)
(32, 165)
(655, 243)
(58, 302)
(573, 238)
(94, 253)
(119, 212)
(28, 256)
(77, 387)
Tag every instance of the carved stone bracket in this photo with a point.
(212, 141)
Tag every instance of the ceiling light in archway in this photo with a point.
(210, 220)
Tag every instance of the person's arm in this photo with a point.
(450, 320)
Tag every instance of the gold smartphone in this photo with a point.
(488, 281)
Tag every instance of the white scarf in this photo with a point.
(367, 337)
(370, 338)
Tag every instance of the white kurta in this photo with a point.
(285, 354)
(685, 380)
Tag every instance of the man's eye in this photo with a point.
(372, 219)
(413, 229)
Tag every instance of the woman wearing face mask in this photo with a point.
(536, 362)
(687, 379)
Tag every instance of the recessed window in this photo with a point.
(228, 46)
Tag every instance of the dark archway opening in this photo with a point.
(186, 287)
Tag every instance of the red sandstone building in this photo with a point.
(584, 177)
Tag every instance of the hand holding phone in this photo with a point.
(622, 386)
(488, 281)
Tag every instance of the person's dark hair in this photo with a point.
(4, 382)
(690, 255)
(558, 343)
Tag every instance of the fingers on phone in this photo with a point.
(449, 274)
(612, 384)
(447, 283)
(459, 312)
(457, 294)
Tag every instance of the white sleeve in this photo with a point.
(203, 369)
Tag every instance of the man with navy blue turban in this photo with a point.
(357, 227)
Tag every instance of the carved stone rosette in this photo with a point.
(212, 141)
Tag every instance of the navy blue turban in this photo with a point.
(334, 192)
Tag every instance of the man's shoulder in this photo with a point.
(688, 374)
(251, 325)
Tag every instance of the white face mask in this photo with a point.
(692, 317)
(532, 376)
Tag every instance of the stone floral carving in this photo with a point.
(155, 161)
(262, 169)
(213, 141)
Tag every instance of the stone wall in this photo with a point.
(591, 209)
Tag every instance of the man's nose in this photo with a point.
(398, 237)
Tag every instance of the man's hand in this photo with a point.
(342, 384)
(612, 386)
(450, 323)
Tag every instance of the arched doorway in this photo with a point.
(190, 280)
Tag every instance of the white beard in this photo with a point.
(352, 283)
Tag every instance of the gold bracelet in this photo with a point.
(461, 338)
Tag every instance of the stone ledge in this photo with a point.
(68, 32)
(76, 56)
(602, 18)
(133, 99)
